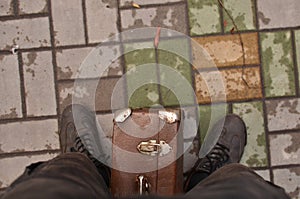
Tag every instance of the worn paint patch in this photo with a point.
(10, 100)
(231, 80)
(233, 53)
(277, 64)
(204, 17)
(65, 95)
(227, 50)
(171, 17)
(31, 57)
(279, 109)
(141, 97)
(29, 61)
(281, 14)
(265, 20)
(255, 154)
(79, 92)
(19, 32)
(29, 70)
(11, 114)
(87, 92)
(153, 96)
(64, 72)
(39, 83)
(174, 58)
(134, 59)
(137, 54)
(138, 18)
(288, 179)
(283, 149)
(242, 12)
(294, 145)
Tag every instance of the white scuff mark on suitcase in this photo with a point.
(122, 115)
(168, 116)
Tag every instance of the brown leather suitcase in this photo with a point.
(145, 150)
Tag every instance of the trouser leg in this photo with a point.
(70, 175)
(235, 181)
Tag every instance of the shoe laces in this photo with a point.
(83, 144)
(217, 158)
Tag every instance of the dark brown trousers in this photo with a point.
(73, 175)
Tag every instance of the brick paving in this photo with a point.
(54, 37)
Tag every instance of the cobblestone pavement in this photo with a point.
(54, 37)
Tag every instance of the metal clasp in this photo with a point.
(153, 148)
(143, 185)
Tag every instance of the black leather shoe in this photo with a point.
(229, 149)
(82, 137)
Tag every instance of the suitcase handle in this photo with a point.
(143, 185)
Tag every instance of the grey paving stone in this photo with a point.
(6, 7)
(255, 153)
(105, 123)
(96, 95)
(27, 33)
(283, 114)
(105, 128)
(279, 75)
(190, 156)
(297, 40)
(285, 148)
(39, 83)
(265, 174)
(10, 99)
(70, 63)
(278, 13)
(15, 166)
(189, 129)
(32, 6)
(171, 17)
(289, 179)
(29, 136)
(145, 2)
(68, 22)
(101, 19)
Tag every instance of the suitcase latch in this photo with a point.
(152, 148)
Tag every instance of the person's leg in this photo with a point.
(75, 174)
(70, 175)
(218, 176)
(236, 181)
(228, 149)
